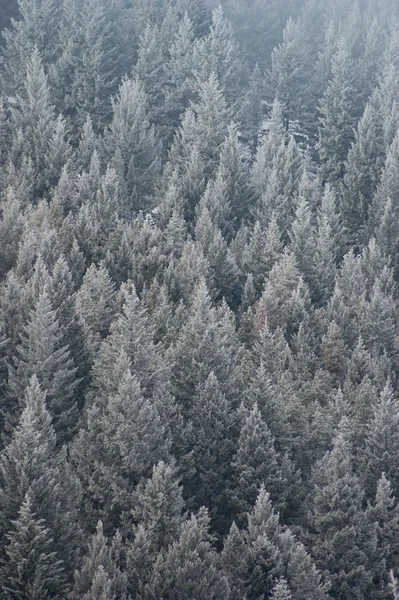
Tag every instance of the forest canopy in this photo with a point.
(199, 267)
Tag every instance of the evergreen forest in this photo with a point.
(199, 289)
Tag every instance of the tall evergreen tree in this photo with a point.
(255, 464)
(31, 569)
(191, 566)
(343, 540)
(337, 115)
(31, 462)
(132, 144)
(99, 573)
(42, 353)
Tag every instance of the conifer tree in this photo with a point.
(99, 572)
(191, 566)
(337, 115)
(382, 442)
(281, 591)
(328, 244)
(213, 432)
(221, 262)
(42, 353)
(290, 61)
(35, 27)
(132, 334)
(206, 343)
(362, 174)
(31, 569)
(343, 540)
(217, 54)
(159, 506)
(35, 119)
(95, 304)
(32, 463)
(132, 144)
(255, 464)
(123, 439)
(384, 512)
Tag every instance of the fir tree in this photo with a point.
(255, 464)
(132, 143)
(99, 575)
(342, 537)
(382, 442)
(338, 117)
(42, 353)
(191, 566)
(31, 569)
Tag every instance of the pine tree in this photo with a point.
(99, 575)
(32, 463)
(213, 432)
(42, 353)
(191, 567)
(221, 262)
(252, 110)
(281, 591)
(328, 245)
(132, 144)
(35, 118)
(86, 75)
(63, 300)
(132, 333)
(217, 54)
(337, 116)
(385, 512)
(204, 125)
(382, 442)
(255, 464)
(303, 242)
(384, 205)
(31, 569)
(95, 304)
(262, 251)
(206, 343)
(342, 539)
(290, 61)
(362, 174)
(35, 27)
(11, 228)
(159, 506)
(123, 439)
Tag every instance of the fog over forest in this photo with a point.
(199, 289)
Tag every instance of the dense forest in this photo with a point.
(199, 269)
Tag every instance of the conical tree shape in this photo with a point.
(281, 591)
(213, 430)
(43, 354)
(191, 567)
(36, 119)
(31, 462)
(255, 463)
(159, 506)
(338, 115)
(342, 535)
(99, 572)
(31, 569)
(382, 442)
(123, 440)
(131, 138)
(133, 333)
(384, 511)
(206, 343)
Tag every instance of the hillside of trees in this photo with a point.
(199, 269)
